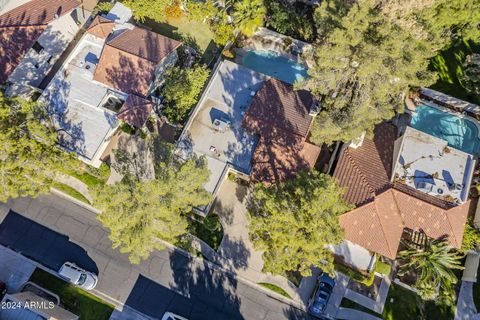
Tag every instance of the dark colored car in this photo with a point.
(321, 295)
(3, 289)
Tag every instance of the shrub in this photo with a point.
(230, 54)
(125, 127)
(103, 7)
(223, 33)
(383, 268)
(173, 11)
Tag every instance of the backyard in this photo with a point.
(192, 33)
(449, 67)
(80, 302)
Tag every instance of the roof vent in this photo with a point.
(221, 125)
(314, 108)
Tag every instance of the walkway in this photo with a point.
(376, 305)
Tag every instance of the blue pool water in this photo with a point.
(275, 65)
(460, 133)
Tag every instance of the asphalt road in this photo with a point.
(52, 230)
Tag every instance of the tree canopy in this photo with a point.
(29, 156)
(153, 9)
(371, 53)
(181, 90)
(294, 221)
(248, 15)
(433, 267)
(139, 213)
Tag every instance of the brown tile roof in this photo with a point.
(278, 105)
(378, 225)
(366, 171)
(135, 111)
(22, 26)
(279, 115)
(128, 61)
(101, 27)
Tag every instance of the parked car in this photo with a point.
(172, 316)
(79, 277)
(321, 295)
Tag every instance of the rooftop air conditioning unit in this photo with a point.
(221, 125)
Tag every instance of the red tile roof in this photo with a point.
(378, 225)
(22, 26)
(279, 115)
(128, 61)
(101, 27)
(135, 111)
(366, 171)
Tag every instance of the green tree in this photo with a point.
(139, 213)
(181, 90)
(294, 221)
(248, 16)
(471, 238)
(433, 267)
(223, 33)
(371, 54)
(153, 9)
(29, 158)
(471, 73)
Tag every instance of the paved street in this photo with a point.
(51, 230)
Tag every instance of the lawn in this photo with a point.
(89, 175)
(70, 191)
(275, 288)
(403, 304)
(192, 33)
(78, 301)
(448, 64)
(208, 229)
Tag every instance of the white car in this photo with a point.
(172, 316)
(79, 277)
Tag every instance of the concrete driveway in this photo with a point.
(50, 230)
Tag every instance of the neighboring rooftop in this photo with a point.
(378, 226)
(135, 111)
(101, 27)
(366, 170)
(22, 26)
(214, 128)
(129, 59)
(280, 116)
(427, 164)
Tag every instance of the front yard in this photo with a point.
(80, 302)
(208, 229)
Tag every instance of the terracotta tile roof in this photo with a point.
(101, 27)
(22, 26)
(366, 171)
(135, 111)
(279, 115)
(279, 105)
(378, 225)
(128, 61)
(278, 159)
(37, 12)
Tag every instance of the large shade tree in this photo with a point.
(29, 156)
(140, 213)
(371, 53)
(248, 15)
(293, 222)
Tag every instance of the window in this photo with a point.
(37, 47)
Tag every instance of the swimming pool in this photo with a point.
(275, 65)
(460, 133)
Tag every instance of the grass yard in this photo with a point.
(70, 191)
(449, 66)
(208, 229)
(275, 288)
(91, 176)
(403, 304)
(192, 33)
(80, 302)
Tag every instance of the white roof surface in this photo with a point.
(427, 164)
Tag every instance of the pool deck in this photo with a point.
(451, 102)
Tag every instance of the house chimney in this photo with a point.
(314, 107)
(357, 142)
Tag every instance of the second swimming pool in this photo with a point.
(460, 133)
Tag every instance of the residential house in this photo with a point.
(251, 125)
(107, 79)
(409, 187)
(33, 36)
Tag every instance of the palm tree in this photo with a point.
(433, 265)
(248, 15)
